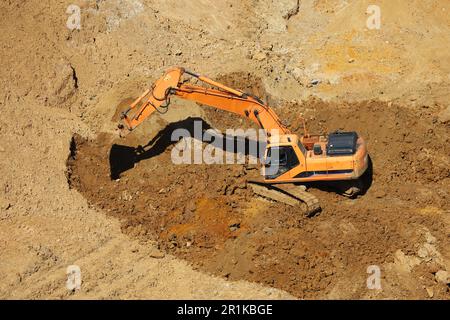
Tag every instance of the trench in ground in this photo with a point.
(208, 216)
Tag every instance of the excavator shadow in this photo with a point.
(123, 158)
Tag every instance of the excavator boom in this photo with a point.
(224, 98)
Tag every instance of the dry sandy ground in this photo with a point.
(55, 82)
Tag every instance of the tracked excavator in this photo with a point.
(290, 162)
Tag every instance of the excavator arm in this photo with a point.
(224, 98)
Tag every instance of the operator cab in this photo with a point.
(282, 155)
(280, 159)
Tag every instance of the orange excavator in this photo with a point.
(289, 161)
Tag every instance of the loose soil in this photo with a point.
(61, 88)
(207, 215)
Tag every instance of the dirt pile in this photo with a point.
(207, 215)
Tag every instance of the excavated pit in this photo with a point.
(206, 215)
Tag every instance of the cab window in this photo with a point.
(280, 160)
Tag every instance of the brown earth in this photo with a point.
(60, 90)
(207, 215)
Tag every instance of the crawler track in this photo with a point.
(291, 195)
